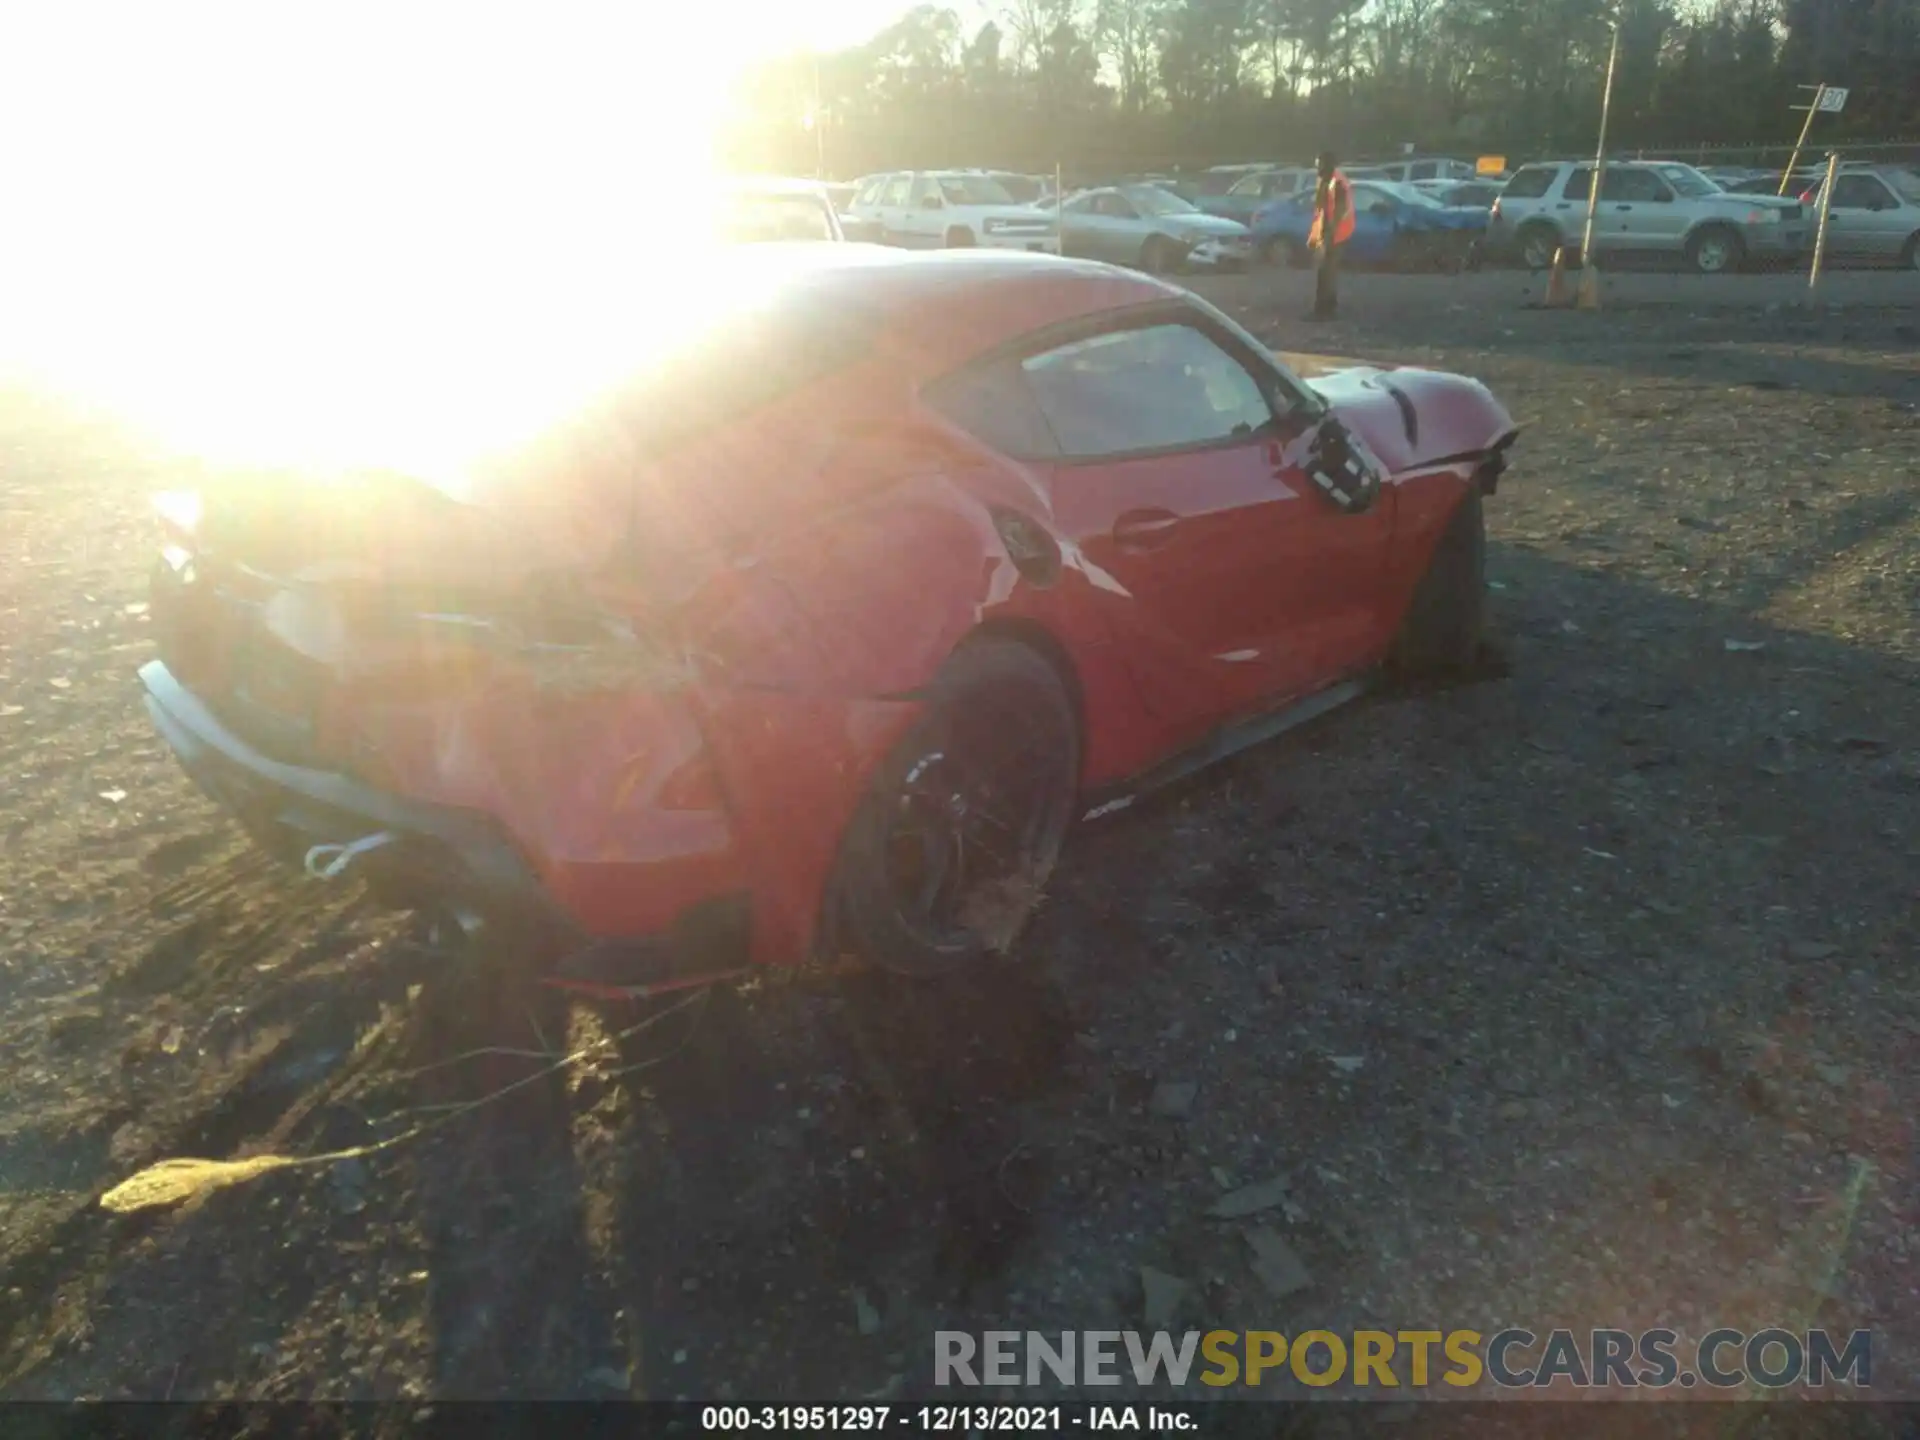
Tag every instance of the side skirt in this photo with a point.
(1224, 743)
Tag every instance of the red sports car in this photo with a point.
(818, 631)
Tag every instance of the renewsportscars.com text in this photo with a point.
(1386, 1359)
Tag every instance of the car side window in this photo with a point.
(1080, 205)
(1161, 387)
(1425, 170)
(1117, 207)
(1579, 183)
(926, 192)
(896, 190)
(1860, 192)
(869, 193)
(1632, 186)
(1528, 184)
(993, 403)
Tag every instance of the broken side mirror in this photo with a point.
(1342, 468)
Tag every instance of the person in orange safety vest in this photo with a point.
(1332, 228)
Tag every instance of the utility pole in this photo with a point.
(819, 126)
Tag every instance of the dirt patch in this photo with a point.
(1575, 997)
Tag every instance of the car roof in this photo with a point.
(939, 309)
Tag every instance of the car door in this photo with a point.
(1117, 231)
(1638, 211)
(891, 209)
(1229, 580)
(1864, 219)
(925, 220)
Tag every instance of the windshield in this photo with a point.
(1152, 200)
(1687, 181)
(974, 190)
(761, 215)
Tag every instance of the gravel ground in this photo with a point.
(1574, 997)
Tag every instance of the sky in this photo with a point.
(187, 187)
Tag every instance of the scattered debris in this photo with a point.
(1744, 646)
(1275, 1264)
(865, 1316)
(1161, 1295)
(1810, 950)
(1347, 1064)
(1173, 1099)
(1250, 1199)
(113, 797)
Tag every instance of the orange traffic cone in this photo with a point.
(1557, 293)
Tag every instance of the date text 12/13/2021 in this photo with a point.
(957, 1419)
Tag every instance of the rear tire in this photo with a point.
(962, 823)
(1537, 245)
(1446, 620)
(1910, 254)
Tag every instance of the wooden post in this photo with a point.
(1600, 153)
(1820, 235)
(1059, 209)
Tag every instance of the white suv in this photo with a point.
(929, 209)
(1659, 206)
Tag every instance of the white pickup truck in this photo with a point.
(932, 209)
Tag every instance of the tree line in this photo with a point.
(1099, 85)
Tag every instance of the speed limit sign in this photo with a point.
(1832, 100)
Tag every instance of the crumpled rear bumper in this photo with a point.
(437, 856)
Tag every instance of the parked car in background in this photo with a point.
(1874, 216)
(746, 211)
(1463, 194)
(817, 630)
(1641, 208)
(1256, 189)
(1395, 225)
(1417, 167)
(1768, 183)
(1152, 228)
(951, 209)
(1219, 179)
(1025, 189)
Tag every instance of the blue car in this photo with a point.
(1394, 226)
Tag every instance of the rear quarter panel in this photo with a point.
(820, 646)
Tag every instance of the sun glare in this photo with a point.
(328, 236)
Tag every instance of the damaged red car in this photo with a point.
(817, 629)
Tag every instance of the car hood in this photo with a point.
(1751, 202)
(1412, 418)
(1203, 225)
